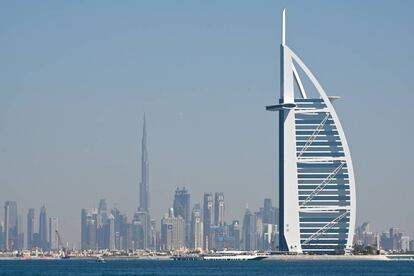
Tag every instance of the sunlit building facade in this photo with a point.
(316, 179)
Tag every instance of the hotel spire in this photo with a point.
(144, 185)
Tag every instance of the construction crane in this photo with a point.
(64, 254)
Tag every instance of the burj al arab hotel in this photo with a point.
(316, 178)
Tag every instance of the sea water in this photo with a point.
(239, 268)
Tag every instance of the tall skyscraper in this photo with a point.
(172, 232)
(196, 228)
(235, 234)
(140, 228)
(207, 218)
(144, 185)
(181, 206)
(143, 210)
(102, 226)
(53, 237)
(249, 231)
(111, 222)
(84, 229)
(89, 218)
(316, 179)
(268, 211)
(153, 235)
(219, 209)
(2, 246)
(43, 233)
(30, 228)
(10, 225)
(120, 229)
(20, 237)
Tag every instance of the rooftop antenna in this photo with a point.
(284, 27)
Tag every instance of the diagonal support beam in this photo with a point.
(325, 182)
(323, 230)
(314, 135)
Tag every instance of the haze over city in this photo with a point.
(76, 78)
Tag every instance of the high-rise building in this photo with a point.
(121, 228)
(117, 227)
(143, 209)
(207, 218)
(10, 225)
(111, 223)
(144, 185)
(181, 206)
(95, 227)
(21, 243)
(91, 228)
(53, 237)
(153, 235)
(235, 234)
(219, 209)
(84, 229)
(30, 228)
(2, 246)
(102, 225)
(196, 228)
(316, 179)
(268, 211)
(172, 232)
(411, 244)
(140, 230)
(102, 208)
(43, 233)
(249, 231)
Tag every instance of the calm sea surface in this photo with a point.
(138, 267)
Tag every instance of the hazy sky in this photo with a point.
(77, 76)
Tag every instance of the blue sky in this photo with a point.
(77, 76)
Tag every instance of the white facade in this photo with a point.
(172, 232)
(196, 229)
(316, 179)
(53, 237)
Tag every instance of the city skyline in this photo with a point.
(104, 228)
(69, 132)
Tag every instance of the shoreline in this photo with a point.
(270, 258)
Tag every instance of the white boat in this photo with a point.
(100, 259)
(233, 256)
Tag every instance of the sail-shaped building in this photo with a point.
(316, 178)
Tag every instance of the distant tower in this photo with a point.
(142, 217)
(111, 222)
(268, 212)
(30, 228)
(102, 209)
(53, 238)
(181, 207)
(43, 233)
(144, 185)
(196, 228)
(249, 231)
(207, 217)
(219, 209)
(84, 229)
(10, 225)
(172, 232)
